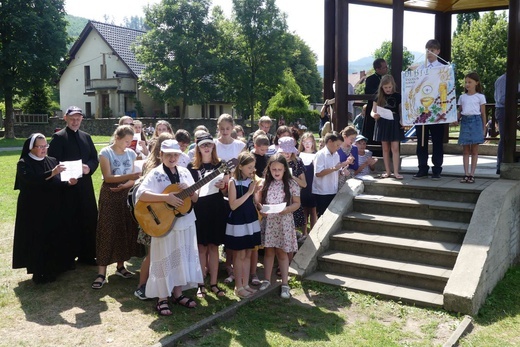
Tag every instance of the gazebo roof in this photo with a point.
(441, 5)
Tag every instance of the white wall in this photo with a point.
(72, 82)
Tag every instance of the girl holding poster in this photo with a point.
(386, 110)
(471, 116)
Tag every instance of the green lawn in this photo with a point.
(18, 142)
(68, 312)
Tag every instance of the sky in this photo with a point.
(369, 26)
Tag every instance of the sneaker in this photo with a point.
(420, 175)
(140, 293)
(286, 292)
(436, 177)
(265, 285)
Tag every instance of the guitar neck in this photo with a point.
(191, 189)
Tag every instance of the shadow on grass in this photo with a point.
(271, 320)
(65, 301)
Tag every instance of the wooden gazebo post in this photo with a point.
(510, 168)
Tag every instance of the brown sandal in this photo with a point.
(216, 290)
(186, 303)
(163, 308)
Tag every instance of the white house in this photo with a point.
(101, 76)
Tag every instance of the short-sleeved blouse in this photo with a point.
(120, 164)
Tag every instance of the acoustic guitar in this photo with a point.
(156, 218)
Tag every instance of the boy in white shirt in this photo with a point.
(326, 166)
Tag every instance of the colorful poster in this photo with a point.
(429, 96)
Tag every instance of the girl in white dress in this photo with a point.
(174, 257)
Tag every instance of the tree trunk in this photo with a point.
(9, 119)
(183, 113)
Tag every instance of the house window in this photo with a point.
(88, 110)
(221, 109)
(86, 71)
(203, 111)
(212, 111)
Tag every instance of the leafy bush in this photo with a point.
(310, 118)
(290, 104)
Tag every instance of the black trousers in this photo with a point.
(322, 202)
(436, 132)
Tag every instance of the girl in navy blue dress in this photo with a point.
(389, 131)
(307, 150)
(243, 228)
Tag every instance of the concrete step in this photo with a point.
(413, 207)
(423, 276)
(412, 228)
(445, 189)
(397, 248)
(407, 294)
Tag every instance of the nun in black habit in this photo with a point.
(39, 234)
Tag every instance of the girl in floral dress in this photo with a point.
(278, 237)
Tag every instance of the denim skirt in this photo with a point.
(471, 130)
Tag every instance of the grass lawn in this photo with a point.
(69, 313)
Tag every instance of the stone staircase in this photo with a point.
(401, 240)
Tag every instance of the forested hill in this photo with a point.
(75, 27)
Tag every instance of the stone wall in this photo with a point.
(490, 247)
(106, 126)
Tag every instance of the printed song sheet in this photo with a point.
(73, 169)
(276, 208)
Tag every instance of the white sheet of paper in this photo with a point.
(365, 177)
(307, 158)
(209, 188)
(385, 113)
(74, 169)
(276, 208)
(138, 165)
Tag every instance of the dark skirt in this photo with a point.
(388, 130)
(211, 212)
(243, 228)
(306, 197)
(116, 234)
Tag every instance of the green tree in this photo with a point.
(302, 62)
(385, 52)
(178, 52)
(465, 18)
(260, 53)
(289, 102)
(33, 39)
(38, 101)
(135, 22)
(481, 47)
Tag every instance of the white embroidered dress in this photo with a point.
(174, 257)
